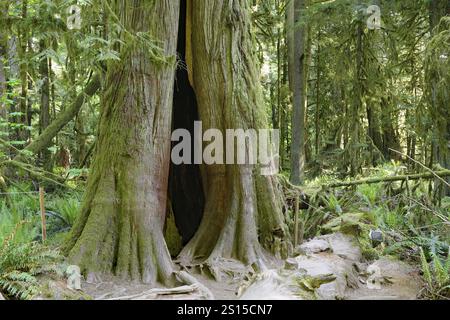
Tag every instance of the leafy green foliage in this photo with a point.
(436, 275)
(415, 228)
(68, 207)
(20, 263)
(62, 211)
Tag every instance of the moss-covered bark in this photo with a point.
(242, 208)
(120, 229)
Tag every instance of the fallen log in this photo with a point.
(418, 176)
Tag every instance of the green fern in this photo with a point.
(20, 263)
(437, 276)
(426, 269)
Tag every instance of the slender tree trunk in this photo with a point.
(3, 91)
(276, 109)
(239, 202)
(317, 115)
(44, 114)
(23, 133)
(81, 138)
(283, 118)
(390, 137)
(355, 126)
(298, 86)
(3, 76)
(374, 127)
(283, 113)
(14, 73)
(439, 104)
(120, 229)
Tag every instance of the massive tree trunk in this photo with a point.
(298, 78)
(120, 229)
(242, 210)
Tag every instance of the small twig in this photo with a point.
(158, 292)
(104, 296)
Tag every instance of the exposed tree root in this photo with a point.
(229, 228)
(186, 278)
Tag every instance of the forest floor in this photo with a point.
(326, 267)
(114, 289)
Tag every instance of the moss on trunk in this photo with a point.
(242, 208)
(120, 229)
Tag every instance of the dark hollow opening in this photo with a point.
(185, 184)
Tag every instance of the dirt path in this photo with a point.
(331, 267)
(112, 289)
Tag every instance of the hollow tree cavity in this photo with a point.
(185, 183)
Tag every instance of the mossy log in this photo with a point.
(427, 175)
(45, 138)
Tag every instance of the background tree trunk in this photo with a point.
(3, 82)
(439, 110)
(23, 133)
(44, 114)
(298, 87)
(120, 229)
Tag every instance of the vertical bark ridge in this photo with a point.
(120, 228)
(238, 217)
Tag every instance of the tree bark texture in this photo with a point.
(121, 225)
(242, 208)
